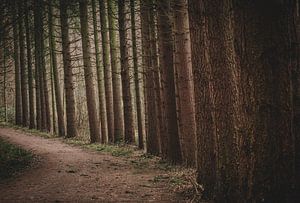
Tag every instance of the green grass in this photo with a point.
(114, 150)
(12, 159)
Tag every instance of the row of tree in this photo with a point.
(206, 83)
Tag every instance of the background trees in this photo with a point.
(212, 84)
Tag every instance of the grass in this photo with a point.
(12, 160)
(114, 150)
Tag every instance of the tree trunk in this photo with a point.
(58, 96)
(37, 51)
(22, 66)
(44, 80)
(125, 72)
(107, 71)
(264, 47)
(100, 79)
(137, 80)
(18, 97)
(88, 74)
(29, 68)
(68, 76)
(170, 139)
(116, 72)
(186, 100)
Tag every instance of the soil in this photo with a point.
(68, 173)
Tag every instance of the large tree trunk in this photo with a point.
(29, 68)
(296, 94)
(116, 72)
(23, 66)
(137, 80)
(268, 145)
(18, 95)
(216, 93)
(150, 82)
(125, 72)
(88, 74)
(100, 79)
(107, 71)
(68, 76)
(170, 146)
(58, 96)
(186, 100)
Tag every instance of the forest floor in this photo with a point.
(67, 173)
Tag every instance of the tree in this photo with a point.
(125, 72)
(58, 97)
(18, 97)
(183, 65)
(137, 80)
(88, 73)
(170, 139)
(29, 67)
(68, 75)
(107, 71)
(101, 79)
(266, 61)
(116, 72)
(23, 72)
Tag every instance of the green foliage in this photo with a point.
(12, 159)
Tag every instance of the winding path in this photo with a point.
(72, 174)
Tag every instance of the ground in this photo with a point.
(66, 173)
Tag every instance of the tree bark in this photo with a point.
(137, 80)
(23, 72)
(18, 97)
(88, 74)
(100, 79)
(107, 71)
(125, 72)
(186, 100)
(57, 90)
(68, 76)
(29, 68)
(116, 72)
(170, 139)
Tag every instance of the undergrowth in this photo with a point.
(13, 159)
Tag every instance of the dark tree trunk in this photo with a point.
(24, 87)
(29, 68)
(170, 146)
(18, 97)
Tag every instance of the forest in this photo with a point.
(212, 85)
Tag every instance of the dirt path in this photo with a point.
(72, 174)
